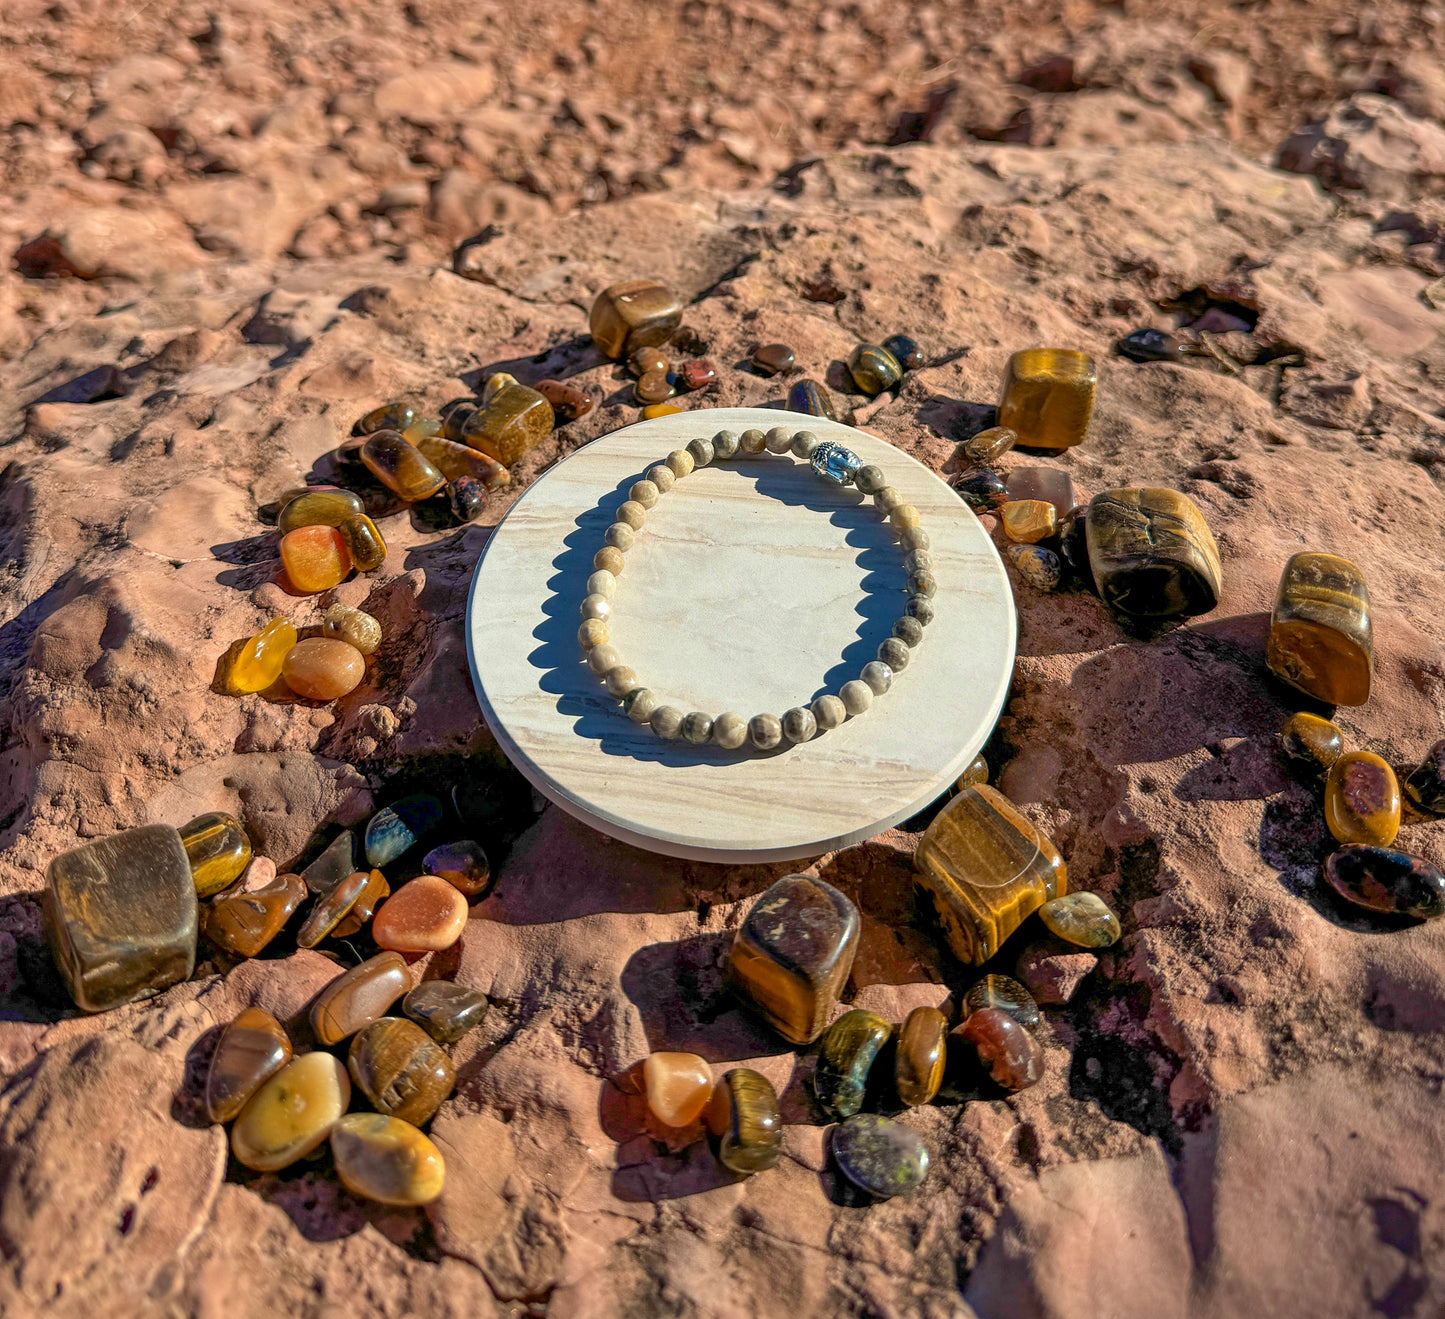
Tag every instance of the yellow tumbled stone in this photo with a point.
(292, 1113)
(387, 1160)
(257, 665)
(1048, 397)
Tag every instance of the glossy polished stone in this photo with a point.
(244, 923)
(647, 358)
(391, 416)
(422, 916)
(1028, 521)
(466, 500)
(661, 410)
(1048, 397)
(1006, 994)
(393, 829)
(638, 313)
(319, 508)
(321, 669)
(423, 428)
(455, 460)
(653, 387)
(358, 997)
(1384, 879)
(514, 423)
(454, 419)
(1037, 567)
(879, 1155)
(975, 773)
(772, 359)
(568, 401)
(1047, 483)
(387, 1160)
(373, 894)
(463, 864)
(678, 1085)
(1149, 346)
(364, 542)
(257, 665)
(315, 558)
(445, 1010)
(400, 1069)
(1011, 1054)
(745, 1121)
(792, 954)
(981, 488)
(809, 397)
(1311, 742)
(331, 908)
(400, 466)
(920, 1057)
(873, 369)
(1152, 553)
(986, 868)
(342, 857)
(846, 1054)
(1425, 784)
(905, 351)
(987, 446)
(696, 374)
(1321, 639)
(291, 1113)
(353, 626)
(1362, 800)
(218, 850)
(251, 1050)
(1082, 919)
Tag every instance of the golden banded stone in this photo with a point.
(1152, 553)
(1320, 637)
(387, 1160)
(1048, 397)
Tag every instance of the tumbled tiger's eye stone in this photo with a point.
(270, 512)
(1040, 568)
(987, 445)
(1149, 346)
(879, 1155)
(808, 396)
(393, 829)
(743, 1117)
(792, 954)
(120, 915)
(1362, 800)
(1320, 635)
(454, 419)
(678, 1086)
(568, 402)
(320, 669)
(244, 923)
(976, 773)
(1152, 553)
(1011, 1054)
(1006, 994)
(1046, 483)
(423, 428)
(292, 1112)
(251, 1050)
(393, 416)
(315, 558)
(387, 1160)
(364, 542)
(986, 868)
(463, 864)
(1425, 785)
(1048, 397)
(400, 1069)
(400, 466)
(445, 1010)
(455, 460)
(353, 626)
(772, 359)
(218, 850)
(647, 359)
(918, 1063)
(1311, 741)
(1082, 918)
(257, 665)
(846, 1054)
(514, 423)
(345, 909)
(638, 313)
(358, 997)
(653, 387)
(319, 508)
(1384, 879)
(422, 916)
(697, 374)
(981, 488)
(906, 351)
(341, 858)
(1028, 520)
(873, 369)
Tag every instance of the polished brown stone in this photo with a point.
(1012, 1055)
(697, 373)
(745, 1121)
(647, 359)
(244, 923)
(314, 558)
(637, 313)
(120, 916)
(445, 1010)
(976, 773)
(364, 542)
(1082, 919)
(873, 368)
(1152, 553)
(251, 1050)
(846, 1055)
(218, 850)
(376, 892)
(387, 1160)
(920, 1057)
(1362, 800)
(400, 466)
(330, 908)
(400, 1069)
(1048, 397)
(511, 424)
(1004, 992)
(455, 460)
(391, 416)
(463, 864)
(1384, 879)
(568, 401)
(1312, 742)
(342, 857)
(319, 508)
(772, 359)
(358, 997)
(1321, 639)
(987, 446)
(653, 387)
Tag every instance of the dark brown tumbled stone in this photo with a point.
(772, 359)
(251, 1050)
(1005, 993)
(568, 402)
(244, 923)
(358, 997)
(1152, 553)
(1012, 1055)
(445, 1010)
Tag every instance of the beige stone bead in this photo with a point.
(632, 513)
(869, 479)
(620, 535)
(909, 631)
(903, 516)
(856, 696)
(666, 722)
(779, 439)
(829, 711)
(913, 538)
(878, 676)
(681, 462)
(894, 654)
(662, 476)
(799, 725)
(593, 633)
(922, 582)
(596, 606)
(639, 704)
(697, 727)
(765, 731)
(601, 658)
(803, 444)
(917, 560)
(603, 584)
(921, 608)
(701, 451)
(752, 442)
(886, 499)
(609, 559)
(725, 445)
(730, 730)
(620, 680)
(645, 493)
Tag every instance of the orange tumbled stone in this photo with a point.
(321, 669)
(315, 558)
(424, 916)
(679, 1086)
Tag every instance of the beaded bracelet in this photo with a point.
(764, 731)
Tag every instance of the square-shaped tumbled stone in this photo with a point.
(1048, 397)
(986, 868)
(1320, 635)
(793, 952)
(638, 313)
(120, 916)
(1152, 553)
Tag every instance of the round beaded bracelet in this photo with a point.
(764, 731)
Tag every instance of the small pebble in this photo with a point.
(1149, 346)
(879, 1155)
(772, 359)
(353, 626)
(445, 1010)
(1012, 1055)
(251, 1050)
(1039, 567)
(1082, 919)
(988, 445)
(568, 402)
(905, 351)
(976, 773)
(648, 359)
(423, 916)
(1312, 742)
(678, 1085)
(697, 374)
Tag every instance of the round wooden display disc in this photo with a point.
(754, 586)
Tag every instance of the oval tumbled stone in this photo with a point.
(444, 1009)
(252, 1049)
(463, 864)
(1013, 1057)
(845, 1056)
(387, 1160)
(292, 1113)
(400, 1069)
(218, 850)
(358, 997)
(392, 830)
(879, 1155)
(1362, 799)
(424, 916)
(1384, 879)
(1082, 919)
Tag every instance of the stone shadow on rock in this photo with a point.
(955, 418)
(567, 358)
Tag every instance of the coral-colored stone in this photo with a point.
(423, 916)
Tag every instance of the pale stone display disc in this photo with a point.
(754, 586)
